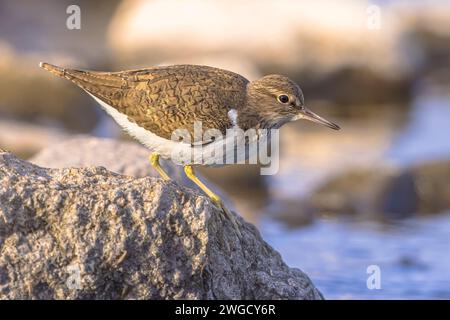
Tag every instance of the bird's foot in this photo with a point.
(227, 213)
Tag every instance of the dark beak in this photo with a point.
(309, 115)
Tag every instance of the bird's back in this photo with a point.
(163, 99)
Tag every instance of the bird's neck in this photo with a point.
(254, 117)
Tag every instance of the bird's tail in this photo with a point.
(89, 80)
(60, 72)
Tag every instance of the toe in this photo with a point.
(217, 201)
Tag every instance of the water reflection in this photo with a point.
(335, 254)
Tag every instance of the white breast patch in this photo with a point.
(233, 116)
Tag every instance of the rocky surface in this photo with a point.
(80, 233)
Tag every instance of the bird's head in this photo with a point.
(279, 100)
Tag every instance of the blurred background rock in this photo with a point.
(388, 87)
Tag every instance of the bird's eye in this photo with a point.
(283, 98)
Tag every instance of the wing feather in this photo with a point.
(163, 99)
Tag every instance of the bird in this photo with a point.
(152, 103)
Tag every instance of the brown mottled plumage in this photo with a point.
(163, 99)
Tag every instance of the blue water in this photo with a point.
(413, 256)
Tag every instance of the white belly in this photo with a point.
(155, 143)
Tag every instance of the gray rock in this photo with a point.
(88, 233)
(423, 188)
(383, 191)
(356, 192)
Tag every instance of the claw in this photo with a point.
(227, 213)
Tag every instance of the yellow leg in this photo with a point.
(190, 173)
(154, 160)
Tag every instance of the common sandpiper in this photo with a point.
(151, 103)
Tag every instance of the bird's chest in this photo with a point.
(236, 147)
